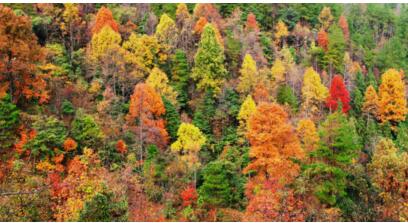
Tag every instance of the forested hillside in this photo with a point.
(203, 112)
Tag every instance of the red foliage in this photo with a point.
(189, 196)
(344, 26)
(338, 93)
(251, 23)
(104, 18)
(209, 12)
(54, 179)
(199, 26)
(121, 147)
(323, 39)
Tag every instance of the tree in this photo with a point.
(273, 145)
(338, 94)
(388, 172)
(222, 186)
(392, 104)
(19, 60)
(209, 70)
(189, 142)
(323, 39)
(172, 118)
(86, 131)
(370, 105)
(313, 91)
(344, 27)
(104, 18)
(251, 23)
(286, 96)
(166, 31)
(50, 133)
(102, 207)
(335, 50)
(248, 107)
(339, 146)
(159, 82)
(9, 120)
(308, 135)
(104, 42)
(145, 110)
(278, 71)
(204, 113)
(180, 77)
(325, 17)
(249, 74)
(281, 31)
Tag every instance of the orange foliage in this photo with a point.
(189, 196)
(199, 26)
(344, 26)
(104, 18)
(121, 147)
(70, 145)
(260, 93)
(323, 39)
(251, 23)
(25, 136)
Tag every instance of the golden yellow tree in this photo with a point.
(307, 132)
(281, 31)
(278, 71)
(248, 78)
(370, 105)
(392, 104)
(313, 91)
(166, 31)
(104, 42)
(248, 107)
(160, 83)
(325, 17)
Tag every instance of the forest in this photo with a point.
(203, 112)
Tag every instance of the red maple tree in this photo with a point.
(338, 93)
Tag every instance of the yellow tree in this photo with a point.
(392, 104)
(278, 71)
(166, 31)
(281, 31)
(313, 91)
(248, 78)
(325, 17)
(307, 132)
(370, 105)
(160, 83)
(189, 142)
(104, 42)
(248, 107)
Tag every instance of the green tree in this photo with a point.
(9, 120)
(209, 70)
(180, 76)
(335, 53)
(204, 113)
(286, 96)
(103, 208)
(172, 118)
(86, 131)
(222, 186)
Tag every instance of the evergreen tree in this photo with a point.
(204, 113)
(103, 208)
(180, 76)
(336, 48)
(172, 118)
(286, 96)
(9, 120)
(86, 131)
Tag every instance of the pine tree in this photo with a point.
(209, 70)
(286, 96)
(335, 50)
(180, 76)
(86, 131)
(205, 113)
(172, 118)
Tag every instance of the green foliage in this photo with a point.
(205, 113)
(9, 120)
(335, 53)
(67, 107)
(86, 131)
(222, 186)
(172, 118)
(180, 76)
(286, 96)
(103, 208)
(402, 137)
(51, 134)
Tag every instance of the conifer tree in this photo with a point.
(180, 76)
(172, 118)
(9, 119)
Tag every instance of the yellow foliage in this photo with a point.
(45, 166)
(392, 104)
(166, 30)
(278, 71)
(370, 105)
(306, 130)
(313, 91)
(249, 73)
(281, 31)
(325, 17)
(104, 41)
(160, 83)
(248, 107)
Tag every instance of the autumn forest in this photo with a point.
(203, 112)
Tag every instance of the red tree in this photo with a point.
(323, 39)
(344, 26)
(338, 93)
(251, 23)
(104, 18)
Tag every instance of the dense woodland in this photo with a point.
(203, 112)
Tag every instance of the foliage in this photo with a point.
(86, 131)
(9, 120)
(339, 96)
(313, 91)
